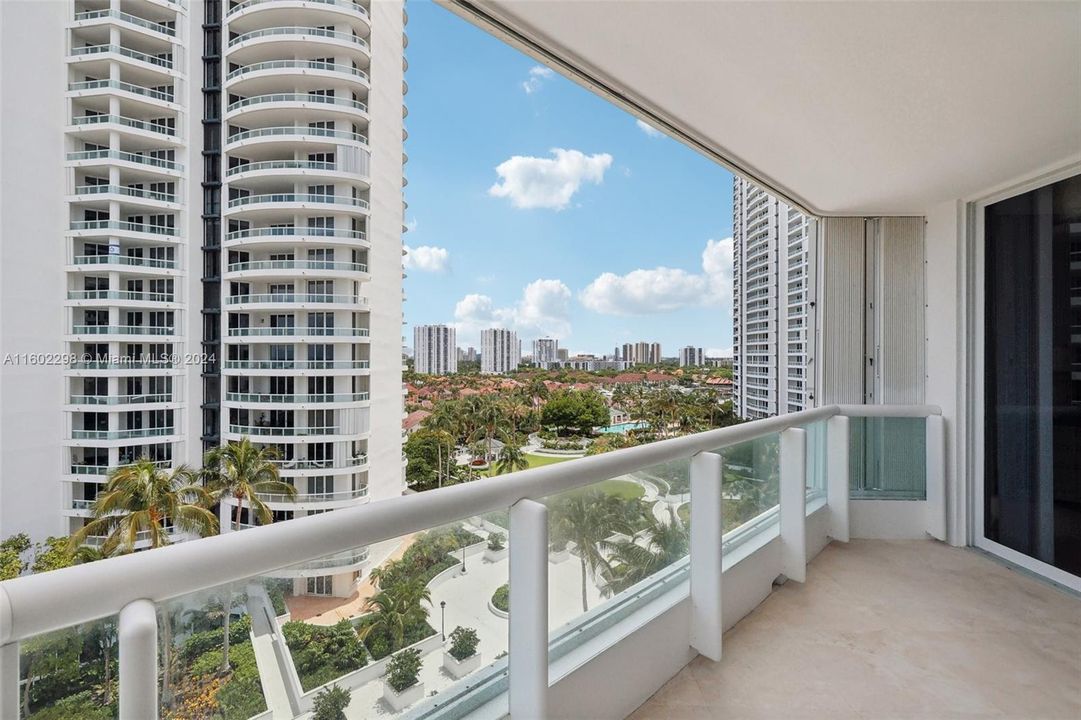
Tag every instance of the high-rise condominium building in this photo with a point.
(434, 350)
(642, 353)
(545, 350)
(773, 286)
(215, 194)
(691, 356)
(500, 351)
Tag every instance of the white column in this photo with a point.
(837, 479)
(138, 635)
(528, 661)
(707, 527)
(794, 504)
(9, 680)
(936, 477)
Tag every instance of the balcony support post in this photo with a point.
(707, 529)
(138, 636)
(793, 495)
(837, 478)
(9, 680)
(936, 477)
(528, 661)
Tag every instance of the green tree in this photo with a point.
(403, 670)
(588, 518)
(511, 458)
(330, 703)
(53, 554)
(631, 562)
(322, 654)
(397, 608)
(243, 471)
(581, 410)
(12, 564)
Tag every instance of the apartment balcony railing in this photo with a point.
(126, 157)
(121, 330)
(141, 537)
(355, 461)
(123, 365)
(121, 399)
(296, 65)
(295, 298)
(801, 469)
(163, 62)
(348, 4)
(284, 431)
(83, 469)
(121, 434)
(123, 225)
(314, 497)
(296, 364)
(126, 191)
(124, 260)
(297, 265)
(298, 131)
(295, 399)
(298, 198)
(282, 165)
(121, 120)
(298, 332)
(302, 32)
(128, 18)
(120, 295)
(295, 231)
(297, 97)
(166, 96)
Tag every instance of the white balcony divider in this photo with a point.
(706, 533)
(528, 631)
(133, 585)
(793, 496)
(138, 638)
(936, 477)
(837, 475)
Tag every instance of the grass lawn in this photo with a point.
(623, 489)
(534, 461)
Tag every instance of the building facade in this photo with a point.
(227, 258)
(545, 350)
(500, 351)
(772, 307)
(691, 356)
(434, 350)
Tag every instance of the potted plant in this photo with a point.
(462, 657)
(402, 686)
(558, 552)
(497, 547)
(499, 603)
(330, 703)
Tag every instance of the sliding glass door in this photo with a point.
(1032, 375)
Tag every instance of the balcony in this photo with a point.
(128, 434)
(126, 19)
(276, 398)
(271, 71)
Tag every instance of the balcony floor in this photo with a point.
(898, 629)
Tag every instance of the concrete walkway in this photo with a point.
(273, 674)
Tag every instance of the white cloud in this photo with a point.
(411, 225)
(537, 75)
(426, 258)
(532, 182)
(663, 289)
(543, 310)
(647, 128)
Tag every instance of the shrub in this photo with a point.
(403, 669)
(81, 705)
(463, 643)
(330, 703)
(322, 654)
(501, 598)
(496, 541)
(199, 643)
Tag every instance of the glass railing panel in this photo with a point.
(816, 458)
(888, 458)
(751, 487)
(71, 673)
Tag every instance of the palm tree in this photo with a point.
(140, 500)
(396, 609)
(511, 458)
(588, 519)
(632, 562)
(445, 424)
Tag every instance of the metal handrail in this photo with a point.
(310, 31)
(295, 64)
(298, 331)
(166, 63)
(296, 265)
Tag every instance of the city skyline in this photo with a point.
(494, 216)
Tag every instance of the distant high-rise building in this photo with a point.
(691, 356)
(773, 286)
(627, 353)
(500, 351)
(545, 350)
(654, 353)
(562, 354)
(434, 350)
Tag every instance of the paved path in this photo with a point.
(271, 673)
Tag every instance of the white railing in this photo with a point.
(133, 585)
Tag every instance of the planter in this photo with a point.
(400, 701)
(495, 555)
(458, 669)
(497, 612)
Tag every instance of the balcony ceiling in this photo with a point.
(850, 108)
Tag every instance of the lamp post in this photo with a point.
(443, 619)
(463, 559)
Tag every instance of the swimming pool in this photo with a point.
(623, 427)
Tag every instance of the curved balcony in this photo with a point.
(124, 260)
(269, 73)
(157, 98)
(350, 302)
(93, 192)
(321, 431)
(137, 159)
(322, 466)
(294, 134)
(295, 101)
(296, 334)
(120, 399)
(283, 399)
(339, 562)
(128, 19)
(305, 498)
(272, 266)
(121, 434)
(122, 366)
(91, 52)
(275, 171)
(276, 202)
(250, 6)
(309, 37)
(123, 296)
(293, 233)
(296, 365)
(97, 128)
(120, 227)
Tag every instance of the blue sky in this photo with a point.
(534, 204)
